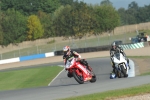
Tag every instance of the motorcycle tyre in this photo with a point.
(76, 77)
(124, 71)
(119, 74)
(93, 77)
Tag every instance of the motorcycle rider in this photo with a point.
(68, 54)
(115, 48)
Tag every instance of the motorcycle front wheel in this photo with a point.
(77, 77)
(93, 77)
(124, 71)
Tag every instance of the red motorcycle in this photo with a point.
(80, 73)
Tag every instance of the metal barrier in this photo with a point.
(80, 50)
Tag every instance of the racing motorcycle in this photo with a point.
(80, 73)
(121, 65)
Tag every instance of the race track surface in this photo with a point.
(63, 86)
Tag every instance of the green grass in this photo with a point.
(140, 57)
(28, 78)
(148, 73)
(109, 95)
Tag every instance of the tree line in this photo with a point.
(24, 20)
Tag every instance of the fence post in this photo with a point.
(37, 49)
(1, 56)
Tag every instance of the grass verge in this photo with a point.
(28, 78)
(110, 95)
(142, 57)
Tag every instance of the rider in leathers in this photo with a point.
(68, 54)
(115, 48)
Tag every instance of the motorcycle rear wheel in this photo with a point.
(78, 78)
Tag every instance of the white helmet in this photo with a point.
(66, 50)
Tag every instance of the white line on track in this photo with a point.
(57, 75)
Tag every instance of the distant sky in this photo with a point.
(120, 3)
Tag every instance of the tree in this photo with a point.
(29, 7)
(46, 21)
(62, 21)
(133, 5)
(123, 16)
(106, 2)
(72, 20)
(107, 18)
(66, 2)
(13, 27)
(81, 17)
(35, 29)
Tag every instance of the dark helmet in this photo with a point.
(114, 45)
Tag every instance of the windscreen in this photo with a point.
(117, 55)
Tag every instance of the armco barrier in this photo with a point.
(9, 60)
(50, 54)
(31, 57)
(24, 58)
(132, 46)
(85, 50)
(79, 50)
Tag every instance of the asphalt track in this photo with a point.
(63, 86)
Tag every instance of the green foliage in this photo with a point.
(35, 29)
(29, 7)
(72, 20)
(1, 35)
(46, 22)
(134, 14)
(62, 21)
(106, 2)
(82, 15)
(107, 18)
(66, 2)
(49, 6)
(13, 27)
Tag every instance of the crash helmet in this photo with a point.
(66, 50)
(114, 45)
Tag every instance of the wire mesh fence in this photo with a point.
(73, 43)
(123, 33)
